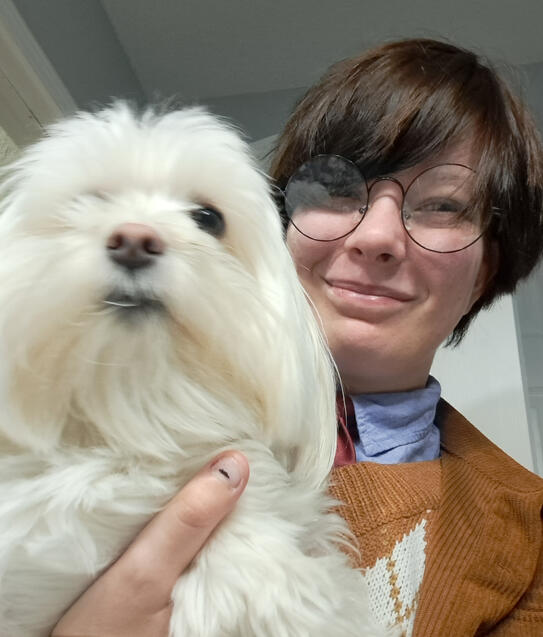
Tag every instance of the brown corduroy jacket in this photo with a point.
(484, 563)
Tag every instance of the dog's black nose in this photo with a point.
(134, 245)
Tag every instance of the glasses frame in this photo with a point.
(364, 209)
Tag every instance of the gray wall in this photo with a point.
(78, 39)
(532, 79)
(259, 114)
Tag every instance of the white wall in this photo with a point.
(529, 312)
(483, 379)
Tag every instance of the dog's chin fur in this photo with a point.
(108, 410)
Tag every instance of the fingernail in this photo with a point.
(227, 469)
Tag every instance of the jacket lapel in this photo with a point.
(486, 557)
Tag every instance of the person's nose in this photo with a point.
(381, 236)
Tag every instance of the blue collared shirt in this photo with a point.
(398, 427)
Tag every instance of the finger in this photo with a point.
(167, 545)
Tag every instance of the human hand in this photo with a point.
(133, 597)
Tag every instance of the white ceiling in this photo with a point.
(228, 47)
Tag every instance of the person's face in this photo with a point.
(385, 302)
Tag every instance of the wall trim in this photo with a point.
(31, 93)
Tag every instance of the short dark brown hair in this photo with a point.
(406, 101)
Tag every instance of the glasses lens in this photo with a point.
(326, 197)
(439, 210)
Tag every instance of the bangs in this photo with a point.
(389, 112)
(406, 103)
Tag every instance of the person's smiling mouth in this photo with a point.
(354, 288)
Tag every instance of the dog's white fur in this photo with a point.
(104, 417)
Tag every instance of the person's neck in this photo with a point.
(376, 385)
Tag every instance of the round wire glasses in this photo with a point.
(328, 196)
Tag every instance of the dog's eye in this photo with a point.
(209, 220)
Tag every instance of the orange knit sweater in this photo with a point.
(451, 547)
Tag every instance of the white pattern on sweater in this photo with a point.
(394, 581)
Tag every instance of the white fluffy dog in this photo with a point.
(150, 318)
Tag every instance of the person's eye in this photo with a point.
(209, 220)
(440, 206)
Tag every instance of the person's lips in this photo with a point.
(364, 301)
(359, 289)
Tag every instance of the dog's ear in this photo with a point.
(298, 371)
(271, 337)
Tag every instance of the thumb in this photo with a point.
(175, 535)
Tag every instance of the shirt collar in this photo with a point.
(398, 427)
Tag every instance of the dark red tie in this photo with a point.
(347, 431)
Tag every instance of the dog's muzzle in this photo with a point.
(133, 247)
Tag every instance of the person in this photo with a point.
(412, 193)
